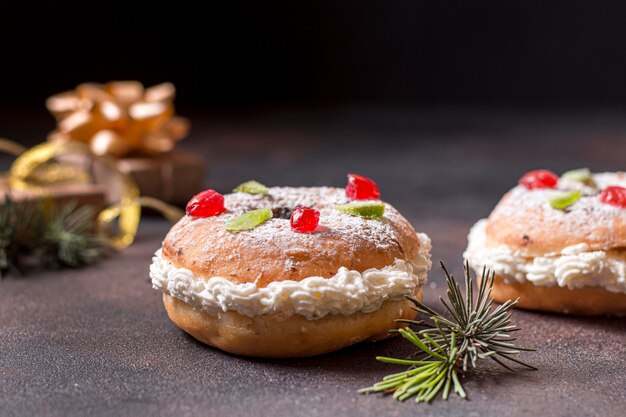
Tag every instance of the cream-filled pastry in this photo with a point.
(557, 243)
(284, 272)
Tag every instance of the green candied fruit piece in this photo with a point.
(367, 209)
(580, 175)
(251, 187)
(248, 221)
(562, 201)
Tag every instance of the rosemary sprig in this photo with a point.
(449, 346)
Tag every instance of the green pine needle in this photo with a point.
(68, 238)
(7, 233)
(58, 236)
(449, 346)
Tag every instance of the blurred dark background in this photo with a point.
(301, 92)
(251, 54)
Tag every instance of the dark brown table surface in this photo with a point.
(97, 341)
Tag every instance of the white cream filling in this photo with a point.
(347, 292)
(573, 267)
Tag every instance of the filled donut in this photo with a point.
(285, 272)
(557, 243)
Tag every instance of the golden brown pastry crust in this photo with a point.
(295, 336)
(273, 252)
(587, 301)
(524, 221)
(533, 233)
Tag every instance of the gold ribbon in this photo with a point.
(35, 169)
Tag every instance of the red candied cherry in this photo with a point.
(361, 188)
(614, 195)
(304, 219)
(206, 204)
(540, 178)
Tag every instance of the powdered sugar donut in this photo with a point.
(559, 245)
(271, 291)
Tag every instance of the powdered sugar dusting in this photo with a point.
(277, 197)
(332, 222)
(352, 231)
(586, 217)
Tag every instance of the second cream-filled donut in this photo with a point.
(557, 243)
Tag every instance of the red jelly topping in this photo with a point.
(361, 188)
(615, 196)
(304, 219)
(206, 204)
(540, 178)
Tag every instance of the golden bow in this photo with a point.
(35, 169)
(118, 118)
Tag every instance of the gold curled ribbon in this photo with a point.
(54, 173)
(10, 147)
(127, 210)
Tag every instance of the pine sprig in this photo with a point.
(448, 346)
(18, 228)
(57, 235)
(7, 233)
(68, 238)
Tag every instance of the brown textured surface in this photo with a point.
(272, 251)
(97, 341)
